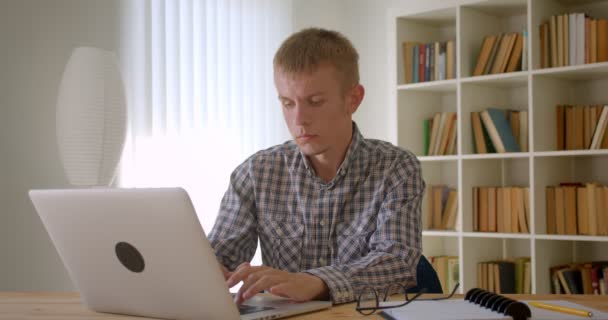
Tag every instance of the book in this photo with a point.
(591, 209)
(593, 43)
(602, 40)
(474, 307)
(516, 54)
(523, 131)
(600, 129)
(560, 114)
(450, 60)
(491, 60)
(426, 133)
(553, 41)
(434, 133)
(492, 209)
(450, 212)
(582, 210)
(506, 209)
(550, 213)
(483, 209)
(544, 45)
(580, 38)
(560, 214)
(484, 54)
(476, 209)
(408, 61)
(572, 34)
(506, 45)
(448, 130)
(521, 209)
(499, 130)
(570, 209)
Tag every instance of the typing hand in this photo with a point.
(226, 272)
(294, 286)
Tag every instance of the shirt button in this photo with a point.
(279, 232)
(322, 222)
(322, 261)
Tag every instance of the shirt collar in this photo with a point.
(351, 154)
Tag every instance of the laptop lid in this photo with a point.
(143, 252)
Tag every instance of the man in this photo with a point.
(334, 212)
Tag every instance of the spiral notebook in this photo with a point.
(480, 304)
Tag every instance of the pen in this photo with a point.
(556, 308)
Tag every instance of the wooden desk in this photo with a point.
(67, 306)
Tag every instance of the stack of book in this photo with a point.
(429, 61)
(440, 134)
(497, 130)
(505, 276)
(501, 209)
(576, 208)
(506, 52)
(581, 127)
(447, 268)
(580, 278)
(571, 39)
(442, 209)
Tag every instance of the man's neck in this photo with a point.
(326, 164)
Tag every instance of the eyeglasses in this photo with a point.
(368, 301)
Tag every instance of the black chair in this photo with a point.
(426, 278)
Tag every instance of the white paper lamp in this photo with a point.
(91, 117)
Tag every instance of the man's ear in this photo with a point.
(356, 97)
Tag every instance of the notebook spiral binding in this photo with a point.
(501, 304)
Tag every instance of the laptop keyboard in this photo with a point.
(245, 309)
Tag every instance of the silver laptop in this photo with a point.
(143, 252)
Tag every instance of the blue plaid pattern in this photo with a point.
(361, 228)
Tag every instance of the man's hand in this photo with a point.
(226, 272)
(295, 286)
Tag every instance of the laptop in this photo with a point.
(143, 252)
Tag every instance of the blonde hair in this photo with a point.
(306, 50)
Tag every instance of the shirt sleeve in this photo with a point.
(394, 247)
(234, 234)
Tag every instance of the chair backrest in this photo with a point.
(426, 278)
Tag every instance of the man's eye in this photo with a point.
(287, 104)
(316, 102)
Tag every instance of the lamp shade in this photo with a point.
(91, 117)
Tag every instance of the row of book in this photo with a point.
(501, 209)
(576, 208)
(580, 278)
(447, 268)
(442, 208)
(581, 127)
(505, 276)
(497, 130)
(440, 133)
(429, 61)
(572, 39)
(505, 52)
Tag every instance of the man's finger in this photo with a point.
(264, 282)
(252, 278)
(240, 273)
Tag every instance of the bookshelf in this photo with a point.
(534, 90)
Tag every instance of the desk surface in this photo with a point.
(55, 306)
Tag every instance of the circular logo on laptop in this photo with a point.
(130, 257)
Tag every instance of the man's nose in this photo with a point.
(301, 114)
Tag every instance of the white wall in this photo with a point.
(5, 230)
(39, 38)
(364, 22)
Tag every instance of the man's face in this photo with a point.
(317, 108)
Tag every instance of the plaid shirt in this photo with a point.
(361, 228)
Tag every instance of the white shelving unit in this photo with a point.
(534, 90)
